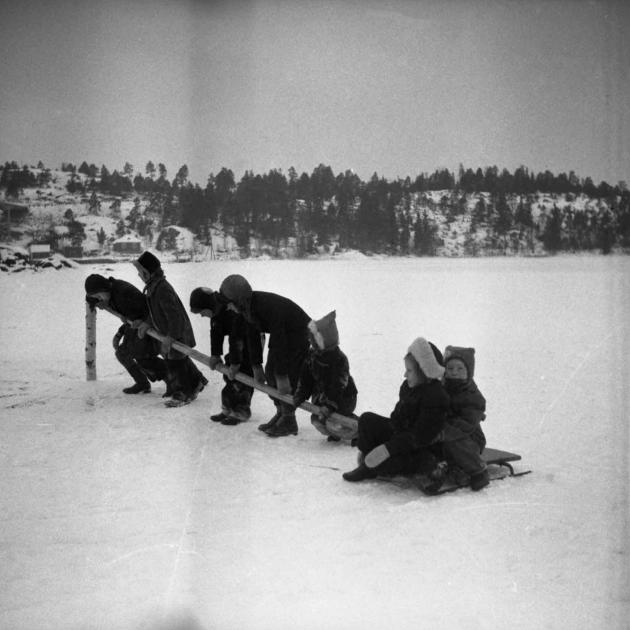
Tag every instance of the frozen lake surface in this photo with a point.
(118, 513)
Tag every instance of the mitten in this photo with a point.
(142, 329)
(259, 374)
(324, 412)
(233, 370)
(283, 385)
(376, 456)
(214, 361)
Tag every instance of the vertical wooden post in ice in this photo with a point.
(90, 342)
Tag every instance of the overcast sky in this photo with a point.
(396, 87)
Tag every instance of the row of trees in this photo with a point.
(397, 216)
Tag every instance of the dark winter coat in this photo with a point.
(418, 417)
(284, 321)
(467, 409)
(168, 315)
(325, 376)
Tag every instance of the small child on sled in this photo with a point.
(462, 439)
(325, 378)
(402, 443)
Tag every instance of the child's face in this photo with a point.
(413, 374)
(456, 370)
(145, 276)
(206, 312)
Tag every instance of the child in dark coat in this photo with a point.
(287, 326)
(138, 356)
(402, 443)
(169, 317)
(235, 397)
(325, 378)
(463, 440)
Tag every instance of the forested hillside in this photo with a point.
(470, 213)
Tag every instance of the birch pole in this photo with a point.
(90, 342)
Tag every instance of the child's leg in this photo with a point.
(465, 453)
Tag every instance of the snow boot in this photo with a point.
(218, 417)
(479, 480)
(436, 479)
(286, 424)
(237, 415)
(179, 399)
(360, 473)
(137, 388)
(141, 384)
(267, 425)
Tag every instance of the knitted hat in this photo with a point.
(236, 289)
(95, 283)
(204, 298)
(148, 262)
(325, 331)
(428, 357)
(465, 355)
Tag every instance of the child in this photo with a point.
(287, 325)
(168, 316)
(401, 444)
(463, 440)
(138, 356)
(325, 376)
(235, 397)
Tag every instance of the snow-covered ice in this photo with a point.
(118, 513)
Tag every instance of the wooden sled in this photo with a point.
(495, 457)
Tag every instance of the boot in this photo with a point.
(479, 480)
(138, 388)
(218, 417)
(237, 415)
(267, 425)
(286, 425)
(436, 479)
(360, 473)
(141, 385)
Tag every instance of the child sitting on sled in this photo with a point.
(462, 439)
(403, 443)
(325, 378)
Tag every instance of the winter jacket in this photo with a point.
(467, 409)
(286, 324)
(418, 417)
(326, 377)
(168, 315)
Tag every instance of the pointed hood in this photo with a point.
(324, 331)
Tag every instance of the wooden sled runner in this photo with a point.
(493, 456)
(497, 461)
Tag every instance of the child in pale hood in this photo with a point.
(403, 443)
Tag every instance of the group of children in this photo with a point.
(433, 429)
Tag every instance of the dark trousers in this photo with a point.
(140, 357)
(464, 448)
(183, 375)
(296, 357)
(236, 396)
(375, 430)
